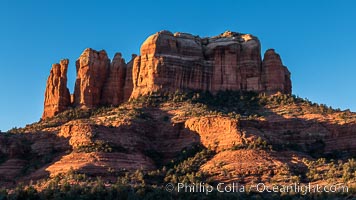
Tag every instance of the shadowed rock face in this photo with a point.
(128, 87)
(168, 62)
(57, 97)
(275, 76)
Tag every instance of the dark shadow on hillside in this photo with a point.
(35, 150)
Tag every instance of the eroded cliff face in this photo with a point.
(230, 61)
(168, 62)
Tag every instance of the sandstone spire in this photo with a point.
(57, 97)
(113, 91)
(276, 77)
(92, 69)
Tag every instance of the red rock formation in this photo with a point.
(213, 129)
(113, 91)
(169, 62)
(80, 134)
(275, 76)
(236, 62)
(92, 69)
(230, 61)
(57, 97)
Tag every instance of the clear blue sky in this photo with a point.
(316, 40)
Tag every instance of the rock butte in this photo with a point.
(168, 62)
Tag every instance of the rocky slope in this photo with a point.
(271, 140)
(170, 62)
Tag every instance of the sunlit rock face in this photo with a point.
(92, 71)
(57, 97)
(229, 61)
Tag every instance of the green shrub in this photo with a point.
(100, 146)
(259, 143)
